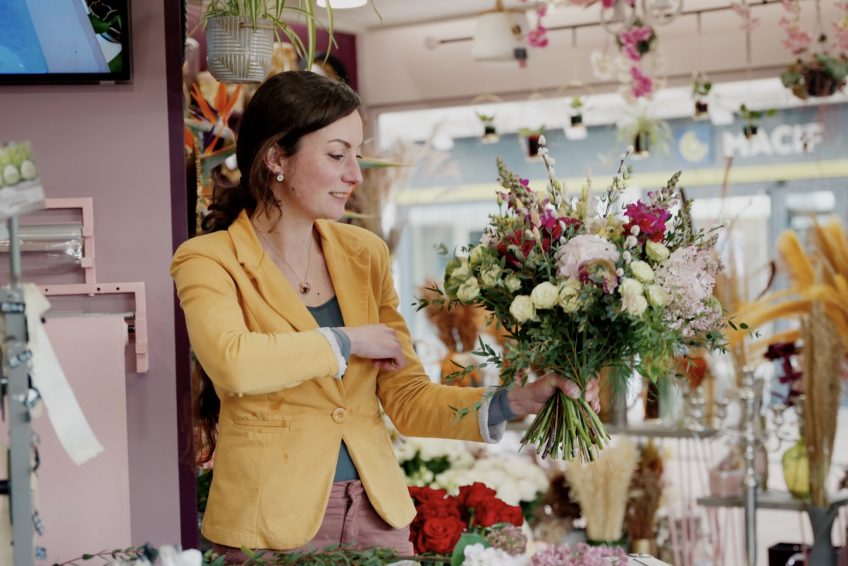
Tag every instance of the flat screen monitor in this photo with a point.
(64, 41)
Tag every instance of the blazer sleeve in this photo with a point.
(239, 360)
(416, 405)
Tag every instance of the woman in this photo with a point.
(294, 318)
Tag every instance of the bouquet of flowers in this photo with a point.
(583, 284)
(442, 519)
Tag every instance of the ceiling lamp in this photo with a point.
(341, 4)
(499, 37)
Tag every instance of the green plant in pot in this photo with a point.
(752, 119)
(701, 87)
(820, 75)
(645, 134)
(576, 106)
(530, 140)
(490, 133)
(240, 36)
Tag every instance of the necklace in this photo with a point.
(304, 285)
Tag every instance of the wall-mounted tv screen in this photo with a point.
(64, 41)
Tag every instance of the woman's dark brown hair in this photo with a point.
(285, 108)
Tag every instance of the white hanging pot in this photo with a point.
(237, 52)
(499, 36)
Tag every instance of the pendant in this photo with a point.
(304, 288)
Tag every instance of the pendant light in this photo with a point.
(499, 36)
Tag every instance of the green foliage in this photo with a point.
(701, 86)
(657, 131)
(752, 117)
(467, 539)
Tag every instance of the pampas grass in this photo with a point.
(601, 488)
(822, 360)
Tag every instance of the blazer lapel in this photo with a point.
(349, 264)
(269, 280)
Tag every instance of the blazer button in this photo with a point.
(339, 415)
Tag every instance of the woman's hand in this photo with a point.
(376, 342)
(530, 398)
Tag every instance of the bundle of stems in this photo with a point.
(601, 489)
(823, 356)
(565, 427)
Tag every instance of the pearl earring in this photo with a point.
(280, 177)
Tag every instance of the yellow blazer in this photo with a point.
(283, 414)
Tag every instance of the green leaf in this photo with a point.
(458, 556)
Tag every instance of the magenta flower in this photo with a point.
(538, 36)
(642, 84)
(650, 220)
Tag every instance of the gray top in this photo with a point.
(329, 315)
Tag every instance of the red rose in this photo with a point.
(472, 495)
(439, 535)
(440, 508)
(424, 494)
(512, 514)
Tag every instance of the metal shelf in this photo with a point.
(658, 430)
(780, 500)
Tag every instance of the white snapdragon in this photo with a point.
(544, 295)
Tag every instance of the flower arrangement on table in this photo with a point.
(819, 72)
(447, 465)
(583, 285)
(475, 513)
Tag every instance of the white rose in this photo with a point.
(658, 296)
(461, 273)
(569, 295)
(544, 295)
(28, 170)
(656, 251)
(642, 271)
(489, 276)
(512, 282)
(633, 302)
(11, 175)
(476, 255)
(522, 308)
(468, 291)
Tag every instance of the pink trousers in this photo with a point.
(350, 521)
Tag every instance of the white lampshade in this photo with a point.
(498, 35)
(341, 4)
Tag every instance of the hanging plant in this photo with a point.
(530, 140)
(240, 36)
(817, 74)
(701, 87)
(576, 112)
(636, 40)
(752, 119)
(645, 134)
(490, 133)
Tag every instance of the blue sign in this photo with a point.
(693, 145)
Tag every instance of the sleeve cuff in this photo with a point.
(330, 336)
(492, 434)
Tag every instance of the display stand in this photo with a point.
(17, 386)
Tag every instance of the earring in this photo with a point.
(280, 177)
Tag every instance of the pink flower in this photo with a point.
(650, 220)
(642, 84)
(797, 39)
(581, 249)
(688, 276)
(538, 36)
(607, 3)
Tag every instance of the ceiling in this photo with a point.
(407, 12)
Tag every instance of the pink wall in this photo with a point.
(111, 143)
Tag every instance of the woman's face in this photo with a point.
(321, 175)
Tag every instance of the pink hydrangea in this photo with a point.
(581, 249)
(579, 555)
(688, 275)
